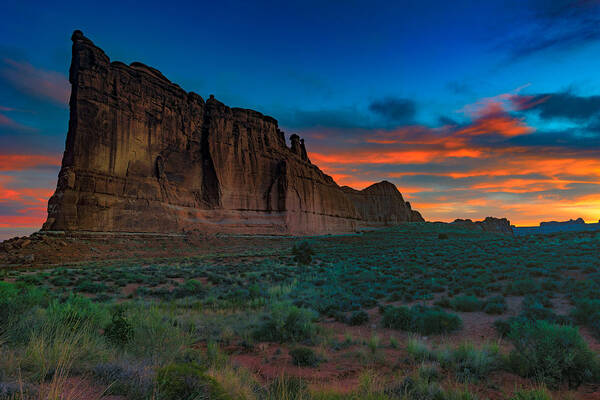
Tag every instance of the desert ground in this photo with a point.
(418, 311)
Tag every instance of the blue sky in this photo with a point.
(444, 84)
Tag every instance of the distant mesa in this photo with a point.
(143, 155)
(569, 222)
(572, 225)
(490, 224)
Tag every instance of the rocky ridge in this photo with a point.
(143, 155)
(490, 224)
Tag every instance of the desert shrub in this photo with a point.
(466, 303)
(552, 354)
(287, 323)
(534, 308)
(427, 321)
(119, 331)
(531, 394)
(419, 350)
(470, 363)
(421, 319)
(135, 381)
(88, 286)
(190, 287)
(286, 387)
(186, 382)
(495, 305)
(303, 253)
(156, 334)
(442, 236)
(358, 318)
(304, 357)
(76, 311)
(503, 326)
(397, 318)
(586, 311)
(429, 372)
(467, 362)
(16, 301)
(443, 302)
(521, 287)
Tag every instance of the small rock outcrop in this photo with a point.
(490, 224)
(143, 155)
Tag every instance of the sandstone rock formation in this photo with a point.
(143, 155)
(382, 204)
(490, 224)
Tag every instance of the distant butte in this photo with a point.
(143, 155)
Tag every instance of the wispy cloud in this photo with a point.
(37, 82)
(553, 25)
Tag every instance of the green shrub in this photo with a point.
(133, 380)
(419, 350)
(552, 354)
(428, 321)
(287, 323)
(88, 286)
(76, 311)
(495, 305)
(521, 287)
(494, 308)
(16, 301)
(289, 388)
(397, 318)
(304, 357)
(303, 253)
(466, 303)
(470, 363)
(587, 312)
(187, 382)
(119, 331)
(358, 318)
(190, 287)
(503, 326)
(421, 319)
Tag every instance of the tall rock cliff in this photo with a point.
(143, 155)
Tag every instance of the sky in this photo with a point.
(471, 108)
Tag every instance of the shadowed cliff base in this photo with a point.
(143, 155)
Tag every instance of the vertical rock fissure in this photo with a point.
(211, 193)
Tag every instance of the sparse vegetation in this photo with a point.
(421, 319)
(163, 328)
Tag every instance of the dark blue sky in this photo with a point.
(344, 75)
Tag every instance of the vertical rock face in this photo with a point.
(142, 155)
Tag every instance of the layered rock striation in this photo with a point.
(143, 155)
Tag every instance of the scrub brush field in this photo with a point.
(419, 311)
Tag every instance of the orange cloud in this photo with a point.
(17, 162)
